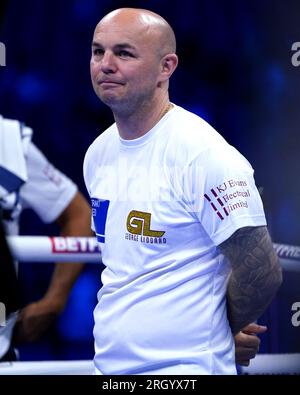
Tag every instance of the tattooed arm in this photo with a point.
(256, 275)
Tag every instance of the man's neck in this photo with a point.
(142, 120)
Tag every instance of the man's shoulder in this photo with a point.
(195, 134)
(103, 140)
(100, 149)
(194, 140)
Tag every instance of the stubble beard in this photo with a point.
(125, 107)
(127, 104)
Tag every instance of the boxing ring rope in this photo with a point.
(77, 368)
(53, 249)
(85, 249)
(277, 364)
(262, 364)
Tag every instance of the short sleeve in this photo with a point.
(222, 194)
(86, 177)
(48, 191)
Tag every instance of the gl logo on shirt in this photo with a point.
(139, 222)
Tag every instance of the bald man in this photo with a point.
(177, 215)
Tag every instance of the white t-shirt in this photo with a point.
(48, 192)
(161, 204)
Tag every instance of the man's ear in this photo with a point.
(168, 65)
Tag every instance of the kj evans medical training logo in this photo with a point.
(139, 229)
(226, 197)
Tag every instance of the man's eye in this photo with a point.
(97, 52)
(125, 54)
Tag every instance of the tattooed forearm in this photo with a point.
(256, 275)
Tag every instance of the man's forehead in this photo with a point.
(128, 34)
(126, 28)
(115, 38)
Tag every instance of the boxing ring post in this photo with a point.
(85, 249)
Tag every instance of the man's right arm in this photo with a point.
(256, 275)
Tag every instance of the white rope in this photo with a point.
(47, 368)
(289, 256)
(54, 249)
(274, 364)
(86, 249)
(263, 364)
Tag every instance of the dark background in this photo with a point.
(235, 71)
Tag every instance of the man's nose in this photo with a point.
(108, 64)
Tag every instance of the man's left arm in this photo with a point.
(35, 318)
(255, 277)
